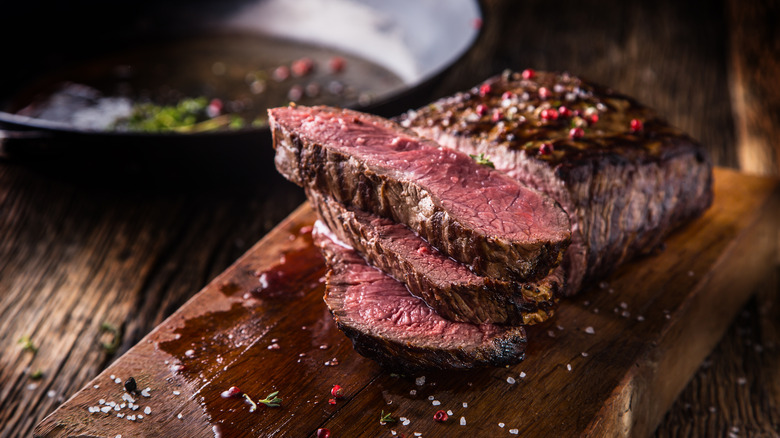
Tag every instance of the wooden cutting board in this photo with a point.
(609, 364)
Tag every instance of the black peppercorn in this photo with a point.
(130, 385)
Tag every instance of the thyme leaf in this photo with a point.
(386, 418)
(252, 405)
(27, 344)
(271, 400)
(116, 332)
(482, 159)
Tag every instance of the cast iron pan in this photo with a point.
(415, 39)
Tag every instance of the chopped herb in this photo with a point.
(271, 400)
(36, 375)
(482, 159)
(252, 405)
(386, 418)
(116, 332)
(27, 344)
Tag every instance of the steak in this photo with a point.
(448, 287)
(390, 326)
(475, 214)
(625, 177)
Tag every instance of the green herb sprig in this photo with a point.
(27, 344)
(483, 159)
(386, 418)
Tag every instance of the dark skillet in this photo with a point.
(44, 37)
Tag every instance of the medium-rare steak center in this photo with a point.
(471, 212)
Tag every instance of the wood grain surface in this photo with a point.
(620, 352)
(82, 244)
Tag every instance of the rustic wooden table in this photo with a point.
(86, 245)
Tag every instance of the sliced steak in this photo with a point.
(445, 285)
(470, 212)
(625, 177)
(389, 325)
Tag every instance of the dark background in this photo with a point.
(129, 237)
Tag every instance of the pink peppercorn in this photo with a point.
(528, 74)
(636, 125)
(323, 433)
(497, 116)
(484, 89)
(336, 391)
(576, 132)
(507, 95)
(564, 112)
(440, 416)
(594, 118)
(337, 64)
(546, 149)
(544, 93)
(549, 114)
(482, 109)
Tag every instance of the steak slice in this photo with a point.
(470, 212)
(445, 285)
(390, 326)
(625, 177)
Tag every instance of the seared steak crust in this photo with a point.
(470, 212)
(625, 176)
(445, 285)
(398, 330)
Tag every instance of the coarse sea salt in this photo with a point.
(510, 380)
(147, 410)
(589, 330)
(514, 431)
(176, 393)
(522, 374)
(179, 416)
(501, 425)
(436, 403)
(462, 421)
(420, 381)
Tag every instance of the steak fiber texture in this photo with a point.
(625, 177)
(389, 325)
(448, 287)
(475, 214)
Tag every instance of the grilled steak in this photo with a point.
(625, 177)
(470, 212)
(447, 286)
(389, 325)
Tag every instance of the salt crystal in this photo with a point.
(559, 327)
(140, 416)
(112, 377)
(135, 407)
(550, 333)
(189, 353)
(522, 374)
(417, 434)
(501, 425)
(589, 330)
(668, 316)
(111, 403)
(741, 380)
(131, 417)
(623, 305)
(402, 419)
(122, 405)
(118, 436)
(147, 410)
(102, 401)
(713, 409)
(413, 392)
(120, 415)
(179, 416)
(406, 422)
(625, 314)
(420, 381)
(568, 366)
(128, 398)
(105, 409)
(510, 380)
(117, 408)
(514, 431)
(275, 340)
(51, 393)
(393, 432)
(274, 346)
(118, 380)
(176, 393)
(32, 386)
(462, 421)
(145, 392)
(430, 397)
(436, 403)
(449, 412)
(465, 405)
(640, 318)
(96, 386)
(584, 354)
